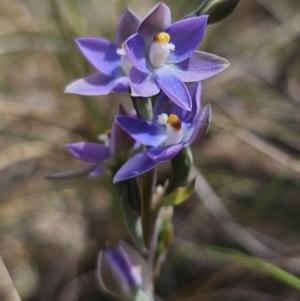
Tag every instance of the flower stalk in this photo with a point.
(143, 107)
(148, 181)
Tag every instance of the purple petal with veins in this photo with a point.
(98, 171)
(96, 84)
(186, 35)
(145, 132)
(195, 93)
(78, 172)
(102, 54)
(199, 66)
(157, 20)
(120, 84)
(89, 152)
(142, 84)
(127, 25)
(173, 87)
(162, 105)
(120, 141)
(200, 127)
(136, 51)
(164, 153)
(135, 166)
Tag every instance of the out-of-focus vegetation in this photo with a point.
(238, 238)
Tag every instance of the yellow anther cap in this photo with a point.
(174, 121)
(108, 133)
(162, 37)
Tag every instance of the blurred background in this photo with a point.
(237, 238)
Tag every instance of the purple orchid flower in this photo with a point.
(172, 129)
(163, 56)
(95, 154)
(109, 58)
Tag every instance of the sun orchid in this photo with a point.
(149, 57)
(164, 56)
(107, 57)
(172, 129)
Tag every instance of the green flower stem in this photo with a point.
(149, 220)
(143, 107)
(148, 215)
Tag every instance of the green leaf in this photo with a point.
(178, 196)
(230, 255)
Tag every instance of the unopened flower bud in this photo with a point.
(121, 271)
(217, 10)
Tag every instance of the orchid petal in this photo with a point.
(128, 25)
(142, 84)
(98, 171)
(186, 35)
(119, 139)
(102, 54)
(173, 87)
(120, 84)
(143, 131)
(195, 92)
(164, 153)
(199, 66)
(157, 20)
(89, 152)
(96, 84)
(74, 173)
(135, 166)
(136, 51)
(200, 128)
(163, 105)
